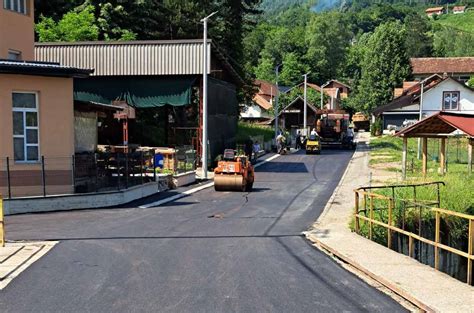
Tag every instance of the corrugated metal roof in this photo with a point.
(177, 57)
(42, 68)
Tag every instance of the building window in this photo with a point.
(451, 100)
(14, 55)
(25, 127)
(15, 5)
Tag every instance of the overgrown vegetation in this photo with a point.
(458, 195)
(247, 130)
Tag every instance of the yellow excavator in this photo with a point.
(234, 173)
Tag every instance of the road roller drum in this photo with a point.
(233, 173)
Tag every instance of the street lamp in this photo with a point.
(204, 97)
(322, 93)
(305, 110)
(275, 109)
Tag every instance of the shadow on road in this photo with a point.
(283, 167)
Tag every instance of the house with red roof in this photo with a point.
(259, 110)
(435, 94)
(434, 11)
(460, 68)
(459, 9)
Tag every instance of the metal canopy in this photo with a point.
(139, 92)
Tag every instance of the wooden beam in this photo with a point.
(425, 155)
(404, 158)
(469, 155)
(442, 156)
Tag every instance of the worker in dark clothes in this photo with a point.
(298, 141)
(248, 148)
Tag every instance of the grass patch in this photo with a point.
(458, 195)
(463, 22)
(247, 130)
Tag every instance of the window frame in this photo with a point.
(10, 6)
(458, 105)
(24, 111)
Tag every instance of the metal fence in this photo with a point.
(86, 173)
(185, 159)
(417, 227)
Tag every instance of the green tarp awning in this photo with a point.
(138, 92)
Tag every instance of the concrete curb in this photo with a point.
(398, 291)
(328, 250)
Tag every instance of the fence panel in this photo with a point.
(408, 220)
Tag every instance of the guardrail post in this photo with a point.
(438, 222)
(356, 211)
(404, 158)
(469, 156)
(389, 231)
(470, 251)
(410, 247)
(2, 225)
(371, 216)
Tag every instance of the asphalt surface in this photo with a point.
(209, 252)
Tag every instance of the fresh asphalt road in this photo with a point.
(208, 252)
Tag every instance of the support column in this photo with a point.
(404, 158)
(469, 155)
(425, 155)
(442, 156)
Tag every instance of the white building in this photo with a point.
(439, 94)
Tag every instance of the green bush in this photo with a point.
(247, 130)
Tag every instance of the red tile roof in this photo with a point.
(442, 65)
(266, 88)
(262, 102)
(441, 123)
(435, 9)
(459, 8)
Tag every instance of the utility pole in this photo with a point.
(322, 94)
(275, 108)
(204, 98)
(305, 117)
(421, 117)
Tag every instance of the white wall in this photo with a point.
(254, 111)
(433, 98)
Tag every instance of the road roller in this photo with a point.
(233, 173)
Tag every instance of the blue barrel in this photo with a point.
(159, 161)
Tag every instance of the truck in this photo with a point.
(334, 129)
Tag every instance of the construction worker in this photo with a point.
(280, 142)
(298, 140)
(248, 148)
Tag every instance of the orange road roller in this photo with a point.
(233, 173)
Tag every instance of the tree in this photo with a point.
(385, 65)
(327, 37)
(292, 70)
(265, 69)
(73, 26)
(470, 83)
(419, 41)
